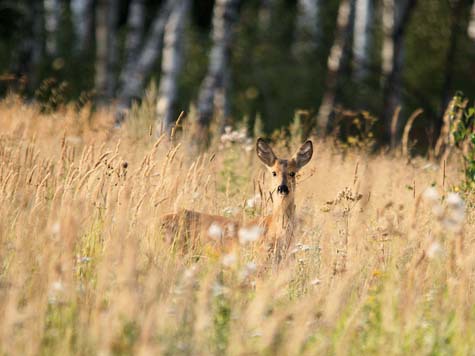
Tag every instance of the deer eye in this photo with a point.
(292, 174)
(274, 174)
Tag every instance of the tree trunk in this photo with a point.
(82, 15)
(307, 34)
(264, 16)
(106, 49)
(335, 60)
(135, 33)
(101, 51)
(172, 59)
(112, 55)
(52, 15)
(361, 38)
(133, 76)
(396, 15)
(37, 45)
(30, 51)
(216, 83)
(471, 24)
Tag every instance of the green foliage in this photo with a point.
(462, 128)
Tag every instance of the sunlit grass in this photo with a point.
(376, 268)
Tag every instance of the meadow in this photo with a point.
(383, 261)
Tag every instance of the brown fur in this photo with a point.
(189, 229)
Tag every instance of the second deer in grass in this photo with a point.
(277, 230)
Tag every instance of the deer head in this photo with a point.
(284, 171)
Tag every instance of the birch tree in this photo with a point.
(135, 73)
(361, 37)
(135, 33)
(306, 26)
(52, 13)
(172, 59)
(334, 63)
(81, 11)
(396, 15)
(213, 92)
(471, 24)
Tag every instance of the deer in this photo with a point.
(277, 229)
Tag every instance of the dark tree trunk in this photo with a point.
(83, 16)
(52, 11)
(133, 76)
(451, 54)
(335, 60)
(393, 59)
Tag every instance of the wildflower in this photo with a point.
(219, 289)
(56, 292)
(83, 259)
(230, 211)
(315, 282)
(252, 202)
(434, 250)
(55, 228)
(455, 214)
(431, 195)
(250, 234)
(215, 231)
(248, 270)
(229, 259)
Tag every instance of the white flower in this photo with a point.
(229, 259)
(455, 215)
(252, 202)
(231, 211)
(248, 269)
(55, 228)
(431, 195)
(250, 234)
(435, 249)
(219, 289)
(453, 199)
(56, 292)
(215, 231)
(315, 282)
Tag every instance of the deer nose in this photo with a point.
(283, 189)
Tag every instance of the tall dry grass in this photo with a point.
(377, 268)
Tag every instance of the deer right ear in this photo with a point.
(265, 153)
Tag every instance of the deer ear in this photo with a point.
(265, 153)
(304, 154)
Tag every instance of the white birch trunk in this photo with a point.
(388, 20)
(335, 60)
(81, 11)
(471, 24)
(225, 15)
(52, 11)
(172, 59)
(307, 33)
(361, 38)
(133, 76)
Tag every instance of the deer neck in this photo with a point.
(283, 215)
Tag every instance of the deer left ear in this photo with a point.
(304, 154)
